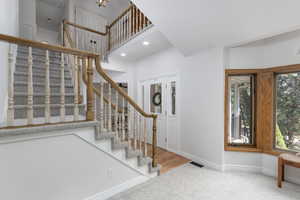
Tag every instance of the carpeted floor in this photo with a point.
(192, 183)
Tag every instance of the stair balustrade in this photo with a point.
(41, 68)
(125, 27)
(120, 117)
(46, 72)
(128, 25)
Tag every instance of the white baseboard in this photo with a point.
(244, 168)
(202, 161)
(119, 188)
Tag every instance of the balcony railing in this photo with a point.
(125, 27)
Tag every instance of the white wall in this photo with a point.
(122, 72)
(9, 24)
(45, 35)
(27, 16)
(276, 51)
(111, 12)
(59, 167)
(201, 107)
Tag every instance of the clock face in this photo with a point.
(156, 100)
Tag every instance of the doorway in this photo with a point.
(160, 96)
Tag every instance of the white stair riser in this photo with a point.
(39, 100)
(21, 113)
(41, 88)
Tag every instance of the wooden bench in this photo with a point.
(286, 159)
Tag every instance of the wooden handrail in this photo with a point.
(84, 28)
(96, 90)
(122, 15)
(31, 43)
(121, 91)
(136, 106)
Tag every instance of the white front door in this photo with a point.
(158, 96)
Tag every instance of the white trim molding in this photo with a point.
(119, 188)
(202, 161)
(243, 168)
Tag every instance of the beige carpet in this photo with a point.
(192, 183)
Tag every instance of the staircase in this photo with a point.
(39, 86)
(53, 86)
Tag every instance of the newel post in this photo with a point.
(154, 141)
(90, 92)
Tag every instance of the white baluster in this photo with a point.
(123, 118)
(105, 116)
(10, 88)
(101, 107)
(76, 96)
(120, 32)
(47, 89)
(140, 132)
(62, 89)
(135, 130)
(145, 138)
(109, 109)
(30, 88)
(128, 125)
(128, 25)
(102, 111)
(116, 112)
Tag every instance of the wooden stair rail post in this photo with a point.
(90, 91)
(154, 142)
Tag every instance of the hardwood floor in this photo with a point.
(169, 160)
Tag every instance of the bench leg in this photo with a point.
(280, 175)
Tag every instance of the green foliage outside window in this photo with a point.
(288, 111)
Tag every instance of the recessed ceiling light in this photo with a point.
(123, 54)
(146, 43)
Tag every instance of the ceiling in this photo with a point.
(135, 49)
(113, 9)
(55, 3)
(196, 25)
(55, 9)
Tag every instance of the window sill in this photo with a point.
(242, 149)
(254, 150)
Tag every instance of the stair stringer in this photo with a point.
(108, 143)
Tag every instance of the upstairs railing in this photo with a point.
(126, 26)
(130, 23)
